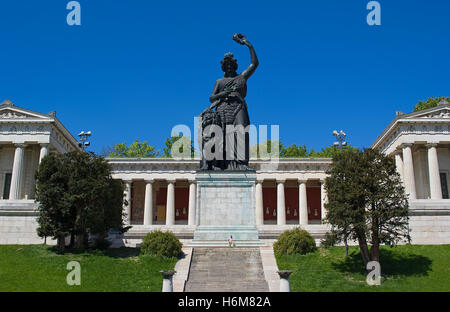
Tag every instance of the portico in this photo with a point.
(26, 137)
(420, 145)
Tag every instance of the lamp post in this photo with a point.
(83, 138)
(340, 143)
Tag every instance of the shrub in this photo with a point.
(161, 244)
(330, 240)
(296, 241)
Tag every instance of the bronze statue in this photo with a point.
(229, 111)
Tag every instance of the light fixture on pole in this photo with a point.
(83, 138)
(340, 137)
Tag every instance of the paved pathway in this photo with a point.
(182, 270)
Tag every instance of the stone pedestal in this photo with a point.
(285, 285)
(226, 206)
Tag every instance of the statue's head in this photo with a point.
(229, 63)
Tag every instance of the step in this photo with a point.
(221, 244)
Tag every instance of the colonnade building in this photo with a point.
(163, 194)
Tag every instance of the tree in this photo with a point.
(77, 196)
(330, 151)
(107, 150)
(296, 151)
(293, 151)
(366, 200)
(135, 150)
(263, 150)
(185, 141)
(430, 102)
(55, 215)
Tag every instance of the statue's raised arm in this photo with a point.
(241, 39)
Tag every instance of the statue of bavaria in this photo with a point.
(225, 123)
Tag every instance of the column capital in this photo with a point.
(281, 180)
(171, 181)
(149, 181)
(406, 145)
(22, 145)
(431, 144)
(127, 181)
(260, 180)
(302, 180)
(192, 181)
(44, 144)
(398, 151)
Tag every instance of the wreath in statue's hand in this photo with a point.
(240, 38)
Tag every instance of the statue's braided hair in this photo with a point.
(228, 58)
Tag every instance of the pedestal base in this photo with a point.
(226, 206)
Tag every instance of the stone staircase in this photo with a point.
(226, 270)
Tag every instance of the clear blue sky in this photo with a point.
(134, 69)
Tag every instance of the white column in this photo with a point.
(399, 163)
(259, 203)
(170, 203)
(127, 207)
(281, 205)
(433, 171)
(302, 202)
(323, 199)
(192, 202)
(17, 172)
(44, 151)
(148, 205)
(408, 171)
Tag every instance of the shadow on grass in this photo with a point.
(392, 264)
(122, 252)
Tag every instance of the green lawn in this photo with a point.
(403, 268)
(40, 268)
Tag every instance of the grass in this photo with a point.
(403, 268)
(40, 268)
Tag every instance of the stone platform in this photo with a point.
(226, 206)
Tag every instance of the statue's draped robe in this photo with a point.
(233, 112)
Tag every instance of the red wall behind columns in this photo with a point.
(314, 203)
(291, 201)
(269, 201)
(181, 200)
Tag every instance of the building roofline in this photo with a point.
(405, 118)
(50, 117)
